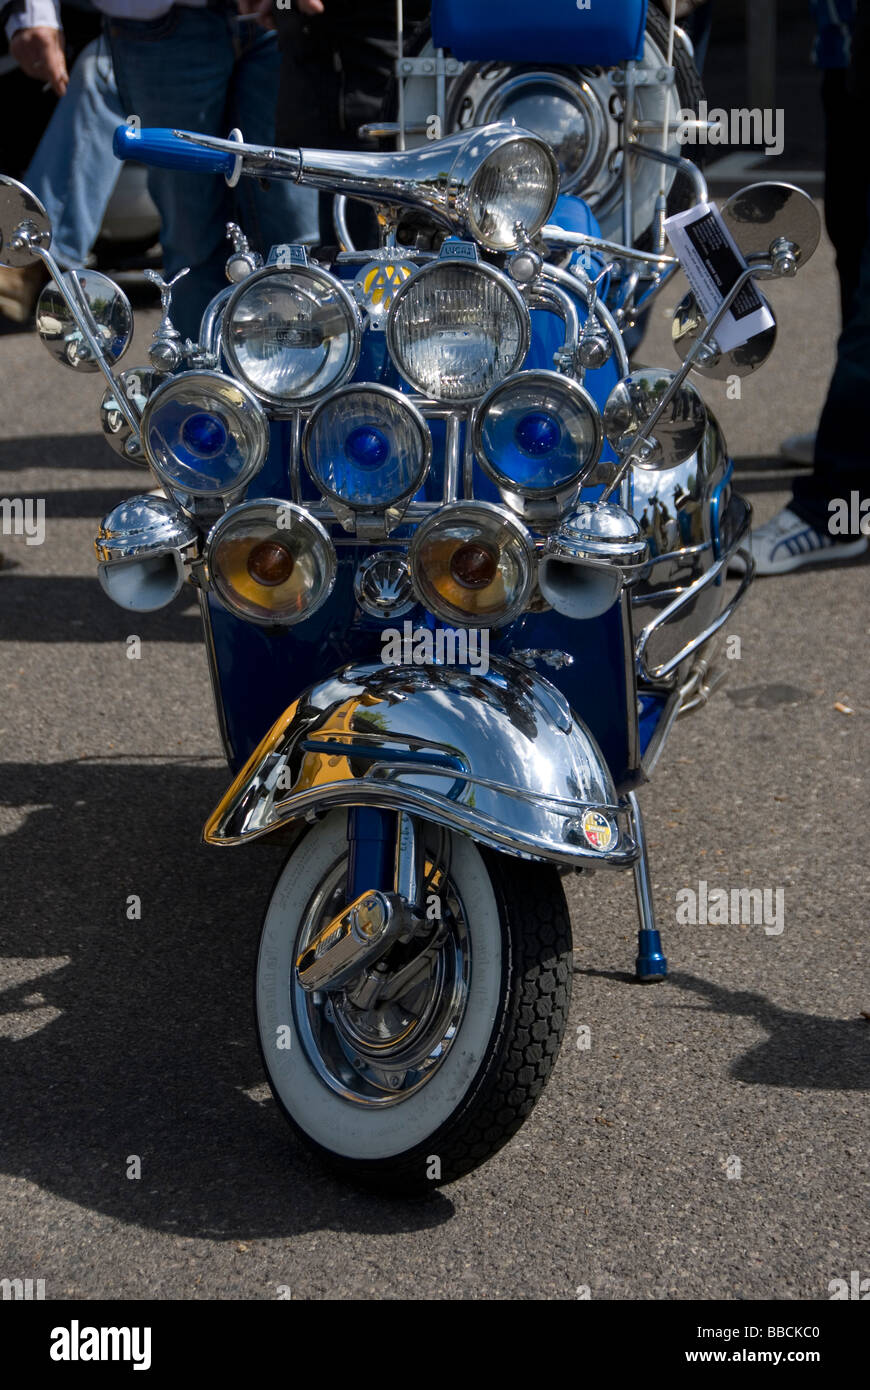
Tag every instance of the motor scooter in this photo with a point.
(459, 570)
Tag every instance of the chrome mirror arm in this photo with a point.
(641, 444)
(581, 241)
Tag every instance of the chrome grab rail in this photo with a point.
(653, 674)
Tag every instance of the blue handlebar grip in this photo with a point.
(161, 148)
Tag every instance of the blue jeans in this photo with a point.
(205, 70)
(73, 171)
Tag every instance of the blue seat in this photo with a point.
(550, 31)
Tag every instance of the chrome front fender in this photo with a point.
(497, 756)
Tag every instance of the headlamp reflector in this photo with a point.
(457, 327)
(517, 183)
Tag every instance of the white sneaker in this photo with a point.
(799, 448)
(787, 543)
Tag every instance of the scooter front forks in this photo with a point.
(650, 964)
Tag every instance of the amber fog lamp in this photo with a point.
(270, 562)
(473, 563)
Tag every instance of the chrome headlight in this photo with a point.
(457, 327)
(270, 562)
(537, 434)
(292, 334)
(204, 434)
(563, 110)
(473, 564)
(515, 184)
(368, 447)
(142, 546)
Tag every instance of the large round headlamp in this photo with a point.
(456, 328)
(537, 434)
(204, 434)
(473, 564)
(270, 562)
(292, 334)
(368, 447)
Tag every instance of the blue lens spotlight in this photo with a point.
(367, 446)
(538, 433)
(537, 436)
(205, 434)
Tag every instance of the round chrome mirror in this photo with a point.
(137, 384)
(689, 324)
(20, 209)
(676, 435)
(110, 314)
(767, 218)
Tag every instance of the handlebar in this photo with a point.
(166, 150)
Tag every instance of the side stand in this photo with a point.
(650, 964)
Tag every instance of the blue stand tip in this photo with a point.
(650, 964)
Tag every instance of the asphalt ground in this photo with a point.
(135, 1037)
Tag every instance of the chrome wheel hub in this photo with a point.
(385, 1034)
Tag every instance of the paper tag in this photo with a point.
(712, 261)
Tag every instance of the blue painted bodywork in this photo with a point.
(262, 670)
(602, 32)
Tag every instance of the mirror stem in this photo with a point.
(691, 358)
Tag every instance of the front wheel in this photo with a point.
(426, 1082)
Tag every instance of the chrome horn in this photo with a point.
(584, 566)
(467, 182)
(142, 546)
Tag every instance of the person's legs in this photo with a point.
(176, 71)
(842, 454)
(74, 171)
(845, 210)
(698, 26)
(283, 212)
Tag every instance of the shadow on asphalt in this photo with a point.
(64, 608)
(127, 1037)
(59, 451)
(802, 1051)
